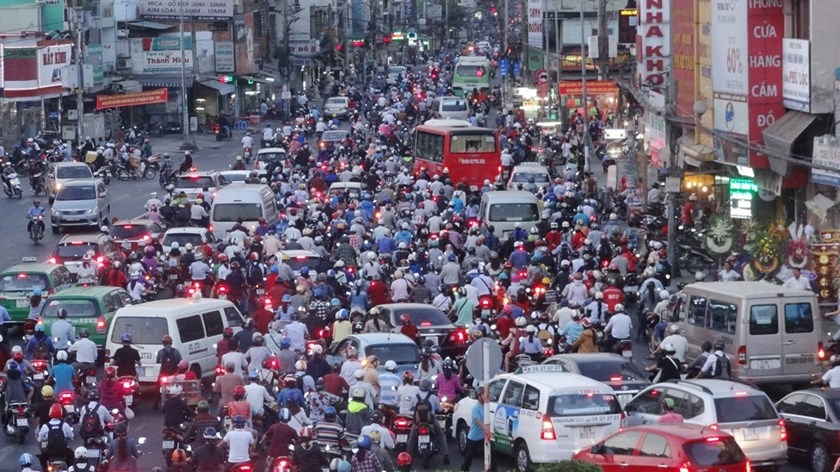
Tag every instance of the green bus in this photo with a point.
(471, 72)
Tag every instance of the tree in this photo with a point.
(568, 466)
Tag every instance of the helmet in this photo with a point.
(285, 343)
(664, 294)
(62, 313)
(238, 421)
(358, 393)
(209, 433)
(176, 390)
(521, 322)
(167, 340)
(403, 459)
(391, 366)
(188, 246)
(375, 436)
(425, 385)
(81, 452)
(342, 314)
(365, 442)
(121, 430)
(330, 413)
(26, 459)
(408, 377)
(668, 403)
(239, 392)
(404, 318)
(449, 364)
(93, 395)
(203, 407)
(306, 432)
(84, 333)
(126, 338)
(377, 417)
(39, 327)
(669, 347)
(56, 411)
(179, 456)
(110, 372)
(674, 328)
(619, 308)
(47, 391)
(285, 415)
(61, 356)
(718, 345)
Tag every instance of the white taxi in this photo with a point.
(543, 414)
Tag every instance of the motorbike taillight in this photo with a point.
(401, 423)
(128, 385)
(423, 430)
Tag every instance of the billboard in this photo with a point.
(535, 23)
(20, 68)
(188, 8)
(796, 74)
(653, 44)
(224, 56)
(765, 28)
(51, 59)
(731, 114)
(682, 24)
(729, 43)
(148, 97)
(166, 61)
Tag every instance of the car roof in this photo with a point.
(84, 237)
(34, 267)
(174, 306)
(187, 230)
(683, 430)
(382, 338)
(69, 164)
(298, 253)
(200, 173)
(557, 380)
(714, 387)
(270, 150)
(407, 306)
(589, 358)
(79, 182)
(750, 289)
(828, 393)
(138, 221)
(89, 291)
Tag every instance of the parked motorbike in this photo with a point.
(11, 185)
(222, 132)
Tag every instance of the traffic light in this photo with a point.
(386, 39)
(226, 79)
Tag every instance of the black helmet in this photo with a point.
(718, 345)
(377, 417)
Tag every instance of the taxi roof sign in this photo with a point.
(29, 259)
(541, 368)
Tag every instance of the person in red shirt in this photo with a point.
(554, 237)
(612, 297)
(578, 238)
(379, 293)
(687, 216)
(505, 323)
(409, 329)
(263, 317)
(334, 383)
(117, 277)
(632, 260)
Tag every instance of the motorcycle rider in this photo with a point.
(308, 456)
(425, 417)
(176, 411)
(618, 327)
(376, 426)
(208, 457)
(81, 464)
(94, 405)
(15, 389)
(122, 452)
(40, 346)
(239, 442)
(110, 390)
(26, 460)
(278, 437)
(62, 373)
(62, 332)
(202, 421)
(33, 213)
(54, 438)
(247, 143)
(126, 359)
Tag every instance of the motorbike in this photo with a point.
(36, 181)
(130, 389)
(18, 426)
(11, 185)
(279, 464)
(246, 154)
(172, 439)
(426, 446)
(56, 465)
(124, 172)
(96, 449)
(243, 467)
(402, 427)
(68, 402)
(222, 132)
(105, 173)
(624, 347)
(36, 233)
(40, 377)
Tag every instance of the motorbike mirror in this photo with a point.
(115, 411)
(141, 441)
(472, 394)
(291, 447)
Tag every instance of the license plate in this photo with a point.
(146, 355)
(90, 380)
(69, 408)
(23, 422)
(129, 399)
(402, 438)
(587, 432)
(751, 434)
(169, 444)
(423, 440)
(765, 364)
(38, 376)
(93, 453)
(173, 276)
(627, 353)
(21, 303)
(260, 291)
(222, 297)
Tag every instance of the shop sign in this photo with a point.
(826, 154)
(51, 59)
(653, 42)
(729, 43)
(765, 27)
(190, 8)
(796, 74)
(166, 43)
(166, 61)
(535, 23)
(731, 114)
(20, 68)
(224, 56)
(148, 97)
(741, 194)
(593, 87)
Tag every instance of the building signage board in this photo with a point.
(796, 74)
(224, 56)
(20, 69)
(826, 154)
(51, 59)
(535, 23)
(189, 8)
(729, 43)
(653, 45)
(166, 61)
(160, 95)
(682, 24)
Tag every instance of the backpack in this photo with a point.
(721, 369)
(255, 273)
(168, 362)
(56, 441)
(41, 349)
(91, 425)
(565, 251)
(423, 409)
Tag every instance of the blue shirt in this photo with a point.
(4, 315)
(476, 418)
(63, 375)
(35, 211)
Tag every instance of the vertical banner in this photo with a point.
(684, 44)
(653, 43)
(765, 29)
(535, 23)
(796, 74)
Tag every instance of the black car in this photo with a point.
(618, 372)
(431, 323)
(813, 426)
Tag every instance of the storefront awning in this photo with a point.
(779, 137)
(223, 89)
(163, 81)
(696, 154)
(150, 25)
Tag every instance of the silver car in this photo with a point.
(60, 172)
(80, 203)
(337, 107)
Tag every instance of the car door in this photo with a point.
(654, 454)
(506, 425)
(618, 452)
(494, 395)
(764, 356)
(799, 337)
(102, 203)
(645, 408)
(799, 420)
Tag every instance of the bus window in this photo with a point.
(506, 212)
(472, 143)
(429, 146)
(471, 71)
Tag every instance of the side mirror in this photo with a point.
(473, 394)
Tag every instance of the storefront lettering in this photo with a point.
(766, 61)
(764, 31)
(654, 41)
(765, 120)
(764, 90)
(54, 57)
(756, 4)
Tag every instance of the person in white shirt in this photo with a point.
(797, 281)
(727, 274)
(268, 135)
(676, 339)
(619, 325)
(247, 141)
(297, 333)
(86, 351)
(239, 442)
(832, 376)
(654, 195)
(256, 395)
(238, 359)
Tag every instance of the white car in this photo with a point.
(266, 155)
(206, 183)
(530, 176)
(187, 234)
(337, 107)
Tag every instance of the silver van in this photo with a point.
(250, 202)
(506, 209)
(80, 203)
(454, 108)
(771, 333)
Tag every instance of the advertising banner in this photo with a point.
(535, 23)
(731, 114)
(593, 87)
(189, 8)
(765, 28)
(796, 74)
(20, 68)
(826, 154)
(729, 43)
(224, 56)
(653, 47)
(682, 25)
(51, 59)
(166, 61)
(148, 97)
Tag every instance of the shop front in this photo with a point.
(601, 95)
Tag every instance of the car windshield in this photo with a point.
(399, 353)
(336, 101)
(308, 261)
(237, 177)
(709, 453)
(76, 192)
(234, 211)
(583, 404)
(22, 282)
(511, 212)
(608, 372)
(143, 329)
(471, 71)
(453, 105)
(744, 408)
(194, 181)
(73, 172)
(76, 308)
(182, 239)
(538, 177)
(74, 251)
(422, 317)
(333, 135)
(270, 156)
(127, 231)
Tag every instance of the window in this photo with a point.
(511, 212)
(128, 231)
(213, 323)
(513, 394)
(75, 252)
(182, 239)
(471, 71)
(143, 329)
(23, 282)
(696, 311)
(495, 390)
(790, 404)
(234, 318)
(649, 402)
(461, 143)
(453, 105)
(531, 400)
(195, 181)
(622, 444)
(749, 408)
(113, 302)
(686, 404)
(429, 146)
(583, 404)
(722, 316)
(798, 318)
(73, 172)
(764, 319)
(234, 211)
(76, 192)
(812, 406)
(190, 328)
(399, 353)
(76, 308)
(654, 445)
(714, 453)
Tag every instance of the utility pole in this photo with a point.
(526, 49)
(603, 41)
(185, 114)
(584, 99)
(80, 76)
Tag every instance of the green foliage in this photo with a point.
(568, 466)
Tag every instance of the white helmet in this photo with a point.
(81, 452)
(391, 366)
(62, 355)
(664, 294)
(188, 246)
(619, 308)
(674, 328)
(175, 390)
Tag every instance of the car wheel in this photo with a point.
(461, 436)
(523, 458)
(55, 229)
(819, 458)
(51, 199)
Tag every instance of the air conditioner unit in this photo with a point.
(122, 34)
(123, 63)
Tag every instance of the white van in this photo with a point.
(505, 209)
(194, 325)
(542, 414)
(247, 201)
(771, 333)
(451, 108)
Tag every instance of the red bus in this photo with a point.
(471, 154)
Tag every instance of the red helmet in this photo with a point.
(403, 459)
(228, 332)
(223, 257)
(110, 372)
(167, 340)
(404, 318)
(305, 432)
(56, 411)
(239, 392)
(18, 356)
(254, 256)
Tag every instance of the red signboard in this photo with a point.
(683, 64)
(148, 97)
(765, 30)
(593, 87)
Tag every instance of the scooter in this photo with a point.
(402, 427)
(246, 154)
(36, 232)
(172, 439)
(11, 185)
(222, 132)
(68, 403)
(130, 389)
(18, 426)
(425, 443)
